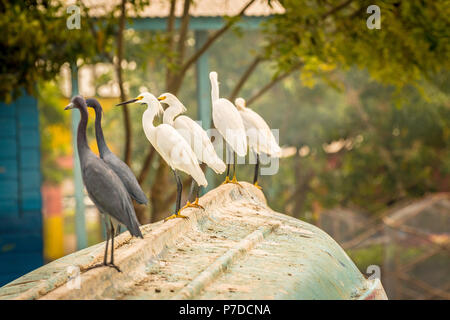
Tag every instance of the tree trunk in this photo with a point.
(162, 187)
(123, 97)
(159, 191)
(301, 187)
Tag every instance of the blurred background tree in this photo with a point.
(412, 43)
(334, 85)
(35, 43)
(55, 135)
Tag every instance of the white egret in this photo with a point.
(194, 134)
(170, 145)
(260, 137)
(228, 122)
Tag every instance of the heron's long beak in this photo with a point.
(69, 106)
(127, 102)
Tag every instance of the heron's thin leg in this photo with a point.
(113, 233)
(105, 257)
(112, 242)
(107, 241)
(255, 177)
(178, 203)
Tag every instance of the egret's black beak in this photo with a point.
(127, 102)
(69, 106)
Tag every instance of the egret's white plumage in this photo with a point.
(260, 137)
(172, 147)
(227, 119)
(192, 132)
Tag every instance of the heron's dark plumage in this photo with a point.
(118, 166)
(103, 185)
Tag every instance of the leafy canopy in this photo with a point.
(413, 40)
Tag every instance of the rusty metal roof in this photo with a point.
(238, 248)
(199, 8)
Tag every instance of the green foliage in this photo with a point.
(413, 41)
(408, 114)
(365, 257)
(410, 124)
(55, 132)
(35, 43)
(397, 149)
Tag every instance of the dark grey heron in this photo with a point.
(104, 187)
(118, 166)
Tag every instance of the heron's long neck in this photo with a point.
(82, 143)
(171, 113)
(214, 90)
(101, 144)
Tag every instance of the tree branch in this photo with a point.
(125, 111)
(171, 20)
(170, 32)
(213, 38)
(244, 78)
(94, 33)
(183, 31)
(146, 165)
(271, 84)
(337, 8)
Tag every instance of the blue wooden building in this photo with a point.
(20, 197)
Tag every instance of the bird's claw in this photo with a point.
(234, 181)
(98, 265)
(177, 215)
(227, 180)
(111, 265)
(193, 205)
(197, 204)
(257, 185)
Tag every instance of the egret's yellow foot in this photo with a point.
(177, 215)
(227, 180)
(234, 180)
(197, 204)
(257, 185)
(193, 205)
